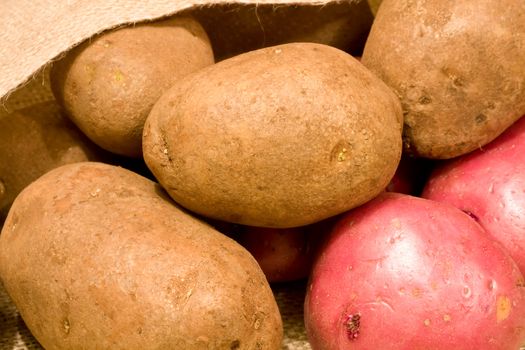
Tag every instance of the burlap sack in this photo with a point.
(34, 33)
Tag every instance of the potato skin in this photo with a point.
(279, 137)
(34, 140)
(109, 84)
(97, 257)
(460, 84)
(283, 254)
(489, 184)
(420, 275)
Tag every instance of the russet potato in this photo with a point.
(457, 67)
(97, 257)
(278, 137)
(109, 83)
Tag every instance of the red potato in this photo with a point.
(282, 254)
(407, 273)
(489, 184)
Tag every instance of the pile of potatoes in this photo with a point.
(291, 161)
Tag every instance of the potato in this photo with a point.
(279, 137)
(489, 184)
(457, 67)
(97, 257)
(283, 254)
(286, 254)
(109, 84)
(33, 141)
(403, 272)
(234, 29)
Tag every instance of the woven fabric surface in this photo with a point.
(14, 335)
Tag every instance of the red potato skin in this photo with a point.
(490, 185)
(419, 275)
(283, 254)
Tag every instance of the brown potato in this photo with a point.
(33, 141)
(279, 137)
(109, 84)
(457, 67)
(97, 257)
(234, 29)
